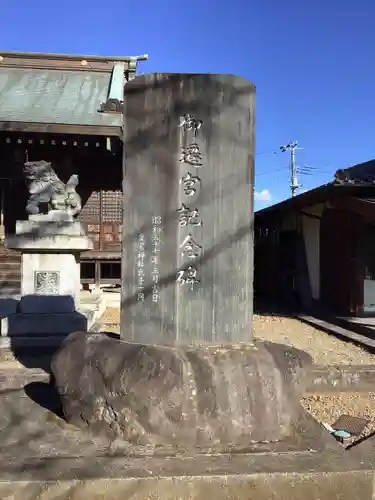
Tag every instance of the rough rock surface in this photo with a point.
(182, 397)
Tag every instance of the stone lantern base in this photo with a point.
(51, 246)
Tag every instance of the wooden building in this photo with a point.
(67, 110)
(318, 248)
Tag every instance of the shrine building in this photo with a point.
(67, 110)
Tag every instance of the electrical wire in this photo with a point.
(269, 172)
(269, 151)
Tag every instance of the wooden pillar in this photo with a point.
(97, 274)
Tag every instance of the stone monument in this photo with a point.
(186, 373)
(188, 213)
(51, 244)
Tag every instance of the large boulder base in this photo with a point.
(184, 397)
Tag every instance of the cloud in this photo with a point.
(263, 195)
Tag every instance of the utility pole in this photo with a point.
(292, 146)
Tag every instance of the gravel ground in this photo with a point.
(324, 348)
(328, 408)
(111, 316)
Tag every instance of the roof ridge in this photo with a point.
(73, 57)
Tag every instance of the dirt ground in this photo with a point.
(324, 348)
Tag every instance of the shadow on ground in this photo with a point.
(266, 307)
(45, 395)
(34, 357)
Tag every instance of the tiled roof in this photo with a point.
(55, 96)
(361, 174)
(63, 90)
(352, 181)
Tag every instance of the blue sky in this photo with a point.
(312, 63)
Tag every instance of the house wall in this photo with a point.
(289, 223)
(283, 265)
(309, 227)
(311, 236)
(319, 247)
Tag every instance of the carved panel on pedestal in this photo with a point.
(46, 282)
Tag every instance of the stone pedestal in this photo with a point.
(203, 399)
(50, 275)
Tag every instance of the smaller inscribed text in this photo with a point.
(140, 266)
(155, 255)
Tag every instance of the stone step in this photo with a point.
(10, 290)
(10, 264)
(7, 252)
(292, 476)
(13, 375)
(8, 283)
(10, 273)
(9, 276)
(14, 259)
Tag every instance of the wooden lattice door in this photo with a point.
(102, 218)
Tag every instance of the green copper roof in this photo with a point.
(56, 96)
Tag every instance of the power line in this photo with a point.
(270, 172)
(313, 172)
(269, 151)
(305, 170)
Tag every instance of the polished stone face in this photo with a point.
(188, 209)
